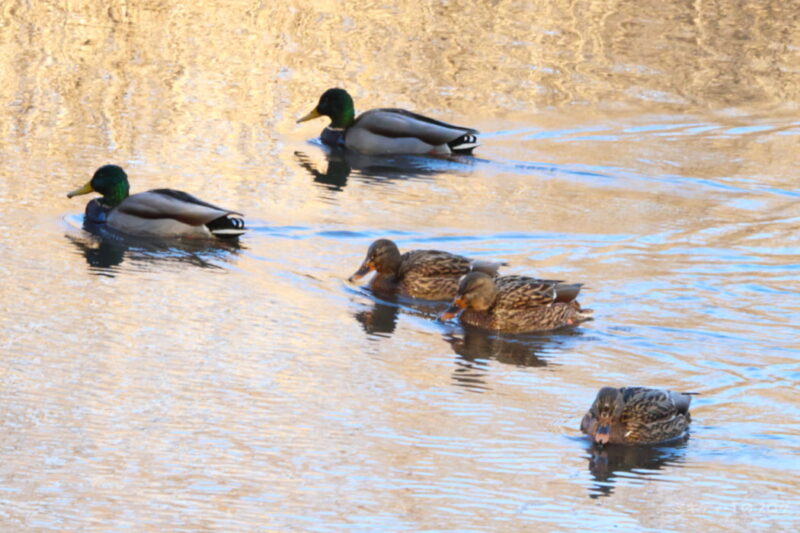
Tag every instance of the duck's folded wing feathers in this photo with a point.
(433, 263)
(169, 203)
(395, 123)
(648, 405)
(524, 292)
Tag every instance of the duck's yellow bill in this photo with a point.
(313, 114)
(86, 189)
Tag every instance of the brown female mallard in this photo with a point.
(637, 415)
(426, 274)
(516, 304)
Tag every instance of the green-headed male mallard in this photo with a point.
(516, 304)
(426, 274)
(388, 131)
(637, 415)
(158, 212)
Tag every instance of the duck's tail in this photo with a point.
(567, 292)
(487, 267)
(464, 145)
(226, 227)
(583, 315)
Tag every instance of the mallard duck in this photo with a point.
(637, 415)
(426, 274)
(158, 212)
(388, 131)
(516, 304)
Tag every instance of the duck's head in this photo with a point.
(336, 104)
(382, 256)
(476, 291)
(607, 407)
(110, 181)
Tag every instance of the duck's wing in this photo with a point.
(650, 405)
(169, 203)
(433, 263)
(396, 123)
(519, 292)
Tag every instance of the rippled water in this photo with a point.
(646, 149)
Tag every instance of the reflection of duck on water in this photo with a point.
(335, 175)
(477, 346)
(605, 463)
(517, 350)
(342, 162)
(104, 248)
(380, 319)
(100, 253)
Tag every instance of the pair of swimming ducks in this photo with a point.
(514, 304)
(171, 213)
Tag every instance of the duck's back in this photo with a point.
(165, 212)
(652, 415)
(398, 131)
(522, 292)
(649, 405)
(432, 263)
(431, 274)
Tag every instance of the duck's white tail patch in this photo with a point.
(226, 227)
(464, 144)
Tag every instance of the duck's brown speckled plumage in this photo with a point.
(637, 415)
(517, 304)
(424, 274)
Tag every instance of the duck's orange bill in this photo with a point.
(365, 268)
(453, 310)
(602, 434)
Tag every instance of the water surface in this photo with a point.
(646, 150)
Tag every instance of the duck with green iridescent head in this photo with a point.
(155, 213)
(637, 415)
(388, 131)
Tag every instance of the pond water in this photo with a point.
(645, 149)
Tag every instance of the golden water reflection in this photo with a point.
(647, 149)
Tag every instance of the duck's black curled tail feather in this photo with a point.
(228, 226)
(464, 145)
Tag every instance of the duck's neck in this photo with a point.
(383, 284)
(486, 302)
(389, 266)
(116, 195)
(343, 119)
